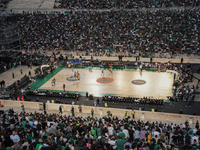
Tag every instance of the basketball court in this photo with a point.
(118, 83)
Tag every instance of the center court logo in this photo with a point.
(138, 82)
(105, 80)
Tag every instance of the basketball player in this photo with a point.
(90, 67)
(102, 72)
(63, 87)
(72, 67)
(110, 69)
(141, 68)
(52, 82)
(78, 75)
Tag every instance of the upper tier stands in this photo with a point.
(124, 4)
(3, 3)
(147, 31)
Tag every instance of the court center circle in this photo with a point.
(105, 80)
(138, 82)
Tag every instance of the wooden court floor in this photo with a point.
(158, 85)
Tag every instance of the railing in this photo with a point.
(102, 111)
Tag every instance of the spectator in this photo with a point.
(120, 143)
(82, 132)
(15, 138)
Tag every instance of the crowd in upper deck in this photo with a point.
(124, 4)
(163, 31)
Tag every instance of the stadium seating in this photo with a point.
(148, 31)
(124, 4)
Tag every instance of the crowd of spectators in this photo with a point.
(10, 35)
(181, 89)
(3, 3)
(29, 131)
(174, 31)
(9, 32)
(124, 4)
(9, 29)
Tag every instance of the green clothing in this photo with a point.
(190, 132)
(93, 132)
(90, 136)
(72, 113)
(92, 112)
(120, 144)
(108, 113)
(61, 126)
(102, 140)
(69, 135)
(193, 148)
(127, 115)
(24, 124)
(188, 104)
(30, 136)
(74, 142)
(22, 108)
(122, 134)
(133, 112)
(176, 148)
(115, 134)
(157, 146)
(98, 131)
(106, 105)
(95, 128)
(80, 148)
(38, 145)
